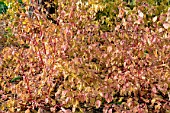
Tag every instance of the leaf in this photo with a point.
(66, 110)
(110, 111)
(11, 109)
(166, 25)
(119, 103)
(156, 53)
(40, 110)
(4, 97)
(108, 97)
(16, 78)
(140, 14)
(26, 46)
(3, 7)
(154, 90)
(27, 111)
(154, 19)
(153, 101)
(98, 103)
(157, 107)
(105, 109)
(25, 1)
(109, 49)
(121, 13)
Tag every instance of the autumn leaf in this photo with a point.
(166, 25)
(154, 19)
(28, 111)
(98, 103)
(109, 49)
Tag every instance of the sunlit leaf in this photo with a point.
(154, 19)
(166, 25)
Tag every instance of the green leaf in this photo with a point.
(26, 46)
(16, 78)
(3, 7)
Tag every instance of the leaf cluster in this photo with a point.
(76, 66)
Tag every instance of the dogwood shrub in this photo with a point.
(75, 66)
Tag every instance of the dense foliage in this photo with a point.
(101, 56)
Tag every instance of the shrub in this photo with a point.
(76, 66)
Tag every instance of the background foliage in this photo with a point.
(100, 56)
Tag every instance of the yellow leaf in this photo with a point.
(3, 106)
(39, 92)
(157, 107)
(28, 29)
(121, 98)
(12, 109)
(75, 106)
(41, 22)
(24, 22)
(10, 103)
(53, 102)
(80, 86)
(153, 101)
(156, 53)
(25, 1)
